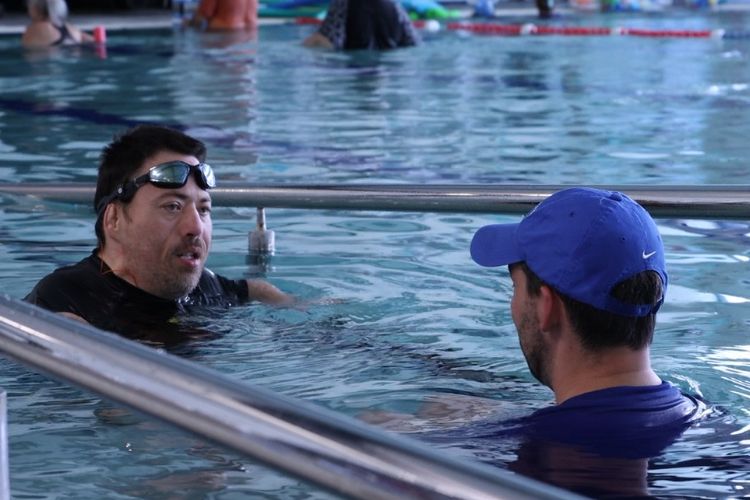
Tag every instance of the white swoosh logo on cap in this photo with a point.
(647, 255)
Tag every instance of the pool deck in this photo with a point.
(15, 22)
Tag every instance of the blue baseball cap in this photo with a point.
(582, 242)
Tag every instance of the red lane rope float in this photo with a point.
(487, 28)
(571, 31)
(669, 33)
(532, 29)
(307, 20)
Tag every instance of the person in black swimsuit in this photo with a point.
(49, 26)
(154, 233)
(66, 37)
(364, 24)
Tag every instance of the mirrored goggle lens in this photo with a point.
(176, 173)
(208, 174)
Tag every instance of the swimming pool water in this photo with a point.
(415, 318)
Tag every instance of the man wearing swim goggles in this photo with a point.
(168, 175)
(158, 226)
(154, 233)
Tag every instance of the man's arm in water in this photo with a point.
(265, 292)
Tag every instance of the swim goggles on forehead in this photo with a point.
(169, 175)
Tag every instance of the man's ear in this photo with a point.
(550, 309)
(112, 220)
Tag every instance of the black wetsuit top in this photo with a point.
(65, 37)
(368, 24)
(92, 291)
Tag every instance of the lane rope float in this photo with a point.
(528, 29)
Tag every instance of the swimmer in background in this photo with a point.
(49, 26)
(364, 24)
(218, 15)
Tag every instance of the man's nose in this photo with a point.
(192, 224)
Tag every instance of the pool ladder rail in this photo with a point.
(704, 202)
(719, 201)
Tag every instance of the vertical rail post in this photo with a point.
(262, 240)
(4, 469)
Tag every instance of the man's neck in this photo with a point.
(115, 263)
(577, 372)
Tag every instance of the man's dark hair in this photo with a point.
(600, 329)
(121, 158)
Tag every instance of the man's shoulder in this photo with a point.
(69, 288)
(663, 399)
(63, 277)
(623, 421)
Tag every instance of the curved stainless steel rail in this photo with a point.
(711, 201)
(329, 449)
(4, 469)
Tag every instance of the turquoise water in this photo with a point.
(415, 319)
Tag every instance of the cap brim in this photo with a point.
(495, 245)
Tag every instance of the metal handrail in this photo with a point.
(708, 201)
(329, 449)
(4, 467)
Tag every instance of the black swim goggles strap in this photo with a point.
(169, 175)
